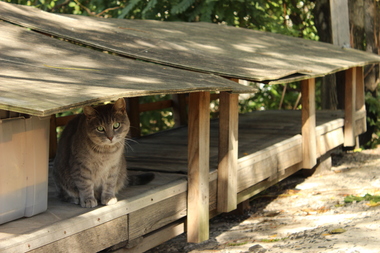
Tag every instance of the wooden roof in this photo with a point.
(40, 75)
(203, 47)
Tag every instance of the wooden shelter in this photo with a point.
(202, 169)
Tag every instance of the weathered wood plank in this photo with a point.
(198, 170)
(309, 140)
(329, 141)
(180, 109)
(53, 141)
(156, 238)
(167, 151)
(251, 58)
(63, 220)
(257, 188)
(156, 216)
(91, 240)
(340, 22)
(360, 122)
(360, 102)
(265, 163)
(228, 151)
(133, 108)
(350, 108)
(85, 76)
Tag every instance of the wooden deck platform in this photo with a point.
(270, 149)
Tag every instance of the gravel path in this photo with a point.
(303, 215)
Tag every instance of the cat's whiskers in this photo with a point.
(128, 145)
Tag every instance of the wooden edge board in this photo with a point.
(91, 240)
(155, 238)
(329, 126)
(280, 146)
(65, 228)
(305, 76)
(48, 112)
(257, 188)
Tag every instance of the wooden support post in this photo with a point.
(340, 22)
(198, 171)
(228, 152)
(179, 109)
(53, 141)
(134, 116)
(360, 96)
(309, 139)
(350, 108)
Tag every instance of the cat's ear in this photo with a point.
(89, 112)
(120, 105)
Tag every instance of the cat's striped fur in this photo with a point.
(90, 165)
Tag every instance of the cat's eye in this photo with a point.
(116, 125)
(100, 129)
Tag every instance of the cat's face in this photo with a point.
(108, 124)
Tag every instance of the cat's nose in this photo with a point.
(110, 137)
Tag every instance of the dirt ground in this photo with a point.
(303, 214)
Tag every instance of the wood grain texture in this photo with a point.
(198, 168)
(59, 76)
(133, 108)
(228, 151)
(360, 102)
(256, 56)
(156, 238)
(91, 240)
(63, 220)
(309, 139)
(157, 216)
(350, 108)
(340, 22)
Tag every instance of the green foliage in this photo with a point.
(372, 100)
(367, 197)
(291, 17)
(154, 121)
(268, 97)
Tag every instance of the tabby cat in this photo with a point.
(90, 165)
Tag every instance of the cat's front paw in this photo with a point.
(109, 200)
(89, 202)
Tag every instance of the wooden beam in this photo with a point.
(93, 239)
(62, 121)
(340, 27)
(158, 105)
(53, 141)
(350, 108)
(180, 109)
(134, 116)
(158, 237)
(360, 97)
(228, 152)
(198, 171)
(309, 139)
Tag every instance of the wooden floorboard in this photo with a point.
(167, 151)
